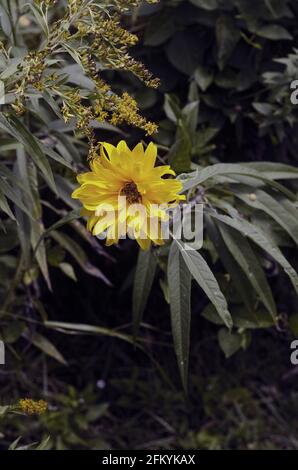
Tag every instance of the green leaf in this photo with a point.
(143, 280)
(40, 18)
(12, 332)
(260, 238)
(44, 445)
(204, 77)
(220, 169)
(183, 52)
(68, 270)
(206, 4)
(254, 319)
(274, 32)
(8, 237)
(87, 329)
(206, 280)
(78, 254)
(159, 30)
(15, 128)
(6, 20)
(190, 114)
(65, 188)
(179, 280)
(12, 194)
(52, 103)
(37, 230)
(242, 318)
(45, 345)
(4, 206)
(266, 109)
(72, 215)
(239, 279)
(11, 68)
(55, 156)
(227, 37)
(248, 261)
(286, 217)
(68, 148)
(229, 342)
(202, 138)
(171, 108)
(14, 444)
(274, 171)
(23, 228)
(180, 153)
(4, 410)
(72, 52)
(28, 174)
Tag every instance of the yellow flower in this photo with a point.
(31, 407)
(126, 193)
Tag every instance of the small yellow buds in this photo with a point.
(32, 407)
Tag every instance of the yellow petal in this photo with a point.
(150, 155)
(122, 147)
(103, 224)
(138, 151)
(109, 148)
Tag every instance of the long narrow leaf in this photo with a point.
(78, 254)
(206, 280)
(237, 275)
(16, 128)
(179, 280)
(245, 257)
(286, 219)
(229, 169)
(144, 276)
(259, 237)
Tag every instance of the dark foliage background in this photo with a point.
(221, 55)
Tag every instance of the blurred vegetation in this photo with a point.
(70, 306)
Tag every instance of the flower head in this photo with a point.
(31, 407)
(126, 193)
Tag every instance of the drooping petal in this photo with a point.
(163, 170)
(109, 148)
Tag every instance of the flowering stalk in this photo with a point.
(25, 406)
(92, 34)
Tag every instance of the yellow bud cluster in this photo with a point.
(102, 43)
(32, 407)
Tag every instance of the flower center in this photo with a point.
(130, 191)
